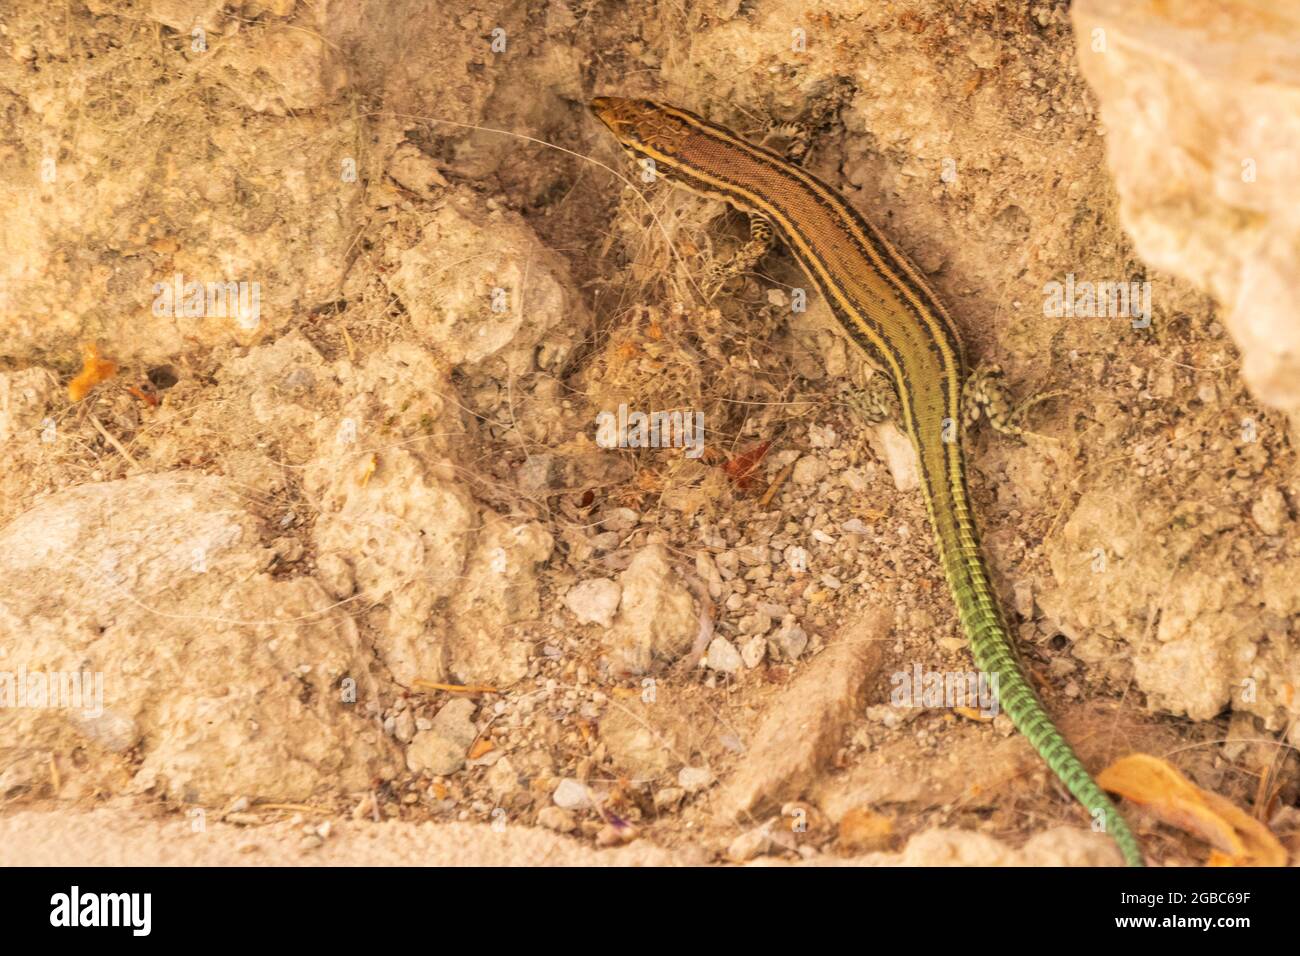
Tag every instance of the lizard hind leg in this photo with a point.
(761, 238)
(985, 395)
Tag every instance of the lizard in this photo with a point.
(889, 312)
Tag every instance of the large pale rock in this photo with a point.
(1061, 846)
(217, 680)
(259, 199)
(486, 293)
(1221, 639)
(657, 619)
(1201, 101)
(802, 728)
(499, 589)
(394, 516)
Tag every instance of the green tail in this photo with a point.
(994, 655)
(991, 646)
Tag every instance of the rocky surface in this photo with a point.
(371, 555)
(1202, 109)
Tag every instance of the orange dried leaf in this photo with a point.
(148, 399)
(368, 467)
(1239, 838)
(480, 747)
(741, 468)
(865, 830)
(93, 371)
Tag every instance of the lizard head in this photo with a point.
(642, 125)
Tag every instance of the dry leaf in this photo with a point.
(368, 466)
(863, 829)
(93, 371)
(1238, 838)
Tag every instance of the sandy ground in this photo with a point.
(119, 836)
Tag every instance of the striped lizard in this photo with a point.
(893, 316)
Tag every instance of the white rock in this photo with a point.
(895, 448)
(694, 779)
(809, 470)
(657, 618)
(723, 656)
(790, 640)
(594, 601)
(441, 749)
(153, 582)
(572, 795)
(1202, 107)
(751, 844)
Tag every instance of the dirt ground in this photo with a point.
(343, 543)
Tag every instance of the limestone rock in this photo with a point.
(803, 726)
(499, 588)
(221, 679)
(657, 618)
(594, 601)
(1201, 102)
(505, 296)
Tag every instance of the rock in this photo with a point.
(287, 548)
(1202, 107)
(642, 738)
(751, 844)
(536, 474)
(669, 798)
(1062, 846)
(594, 601)
(694, 779)
(281, 71)
(572, 795)
(956, 848)
(1270, 511)
(723, 656)
(557, 819)
(619, 519)
(861, 830)
(1070, 846)
(657, 618)
(440, 750)
(753, 651)
(502, 778)
(516, 303)
(404, 726)
(809, 470)
(804, 726)
(335, 575)
(789, 641)
(24, 399)
(401, 520)
(894, 447)
(854, 479)
(215, 680)
(499, 588)
(416, 171)
(616, 834)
